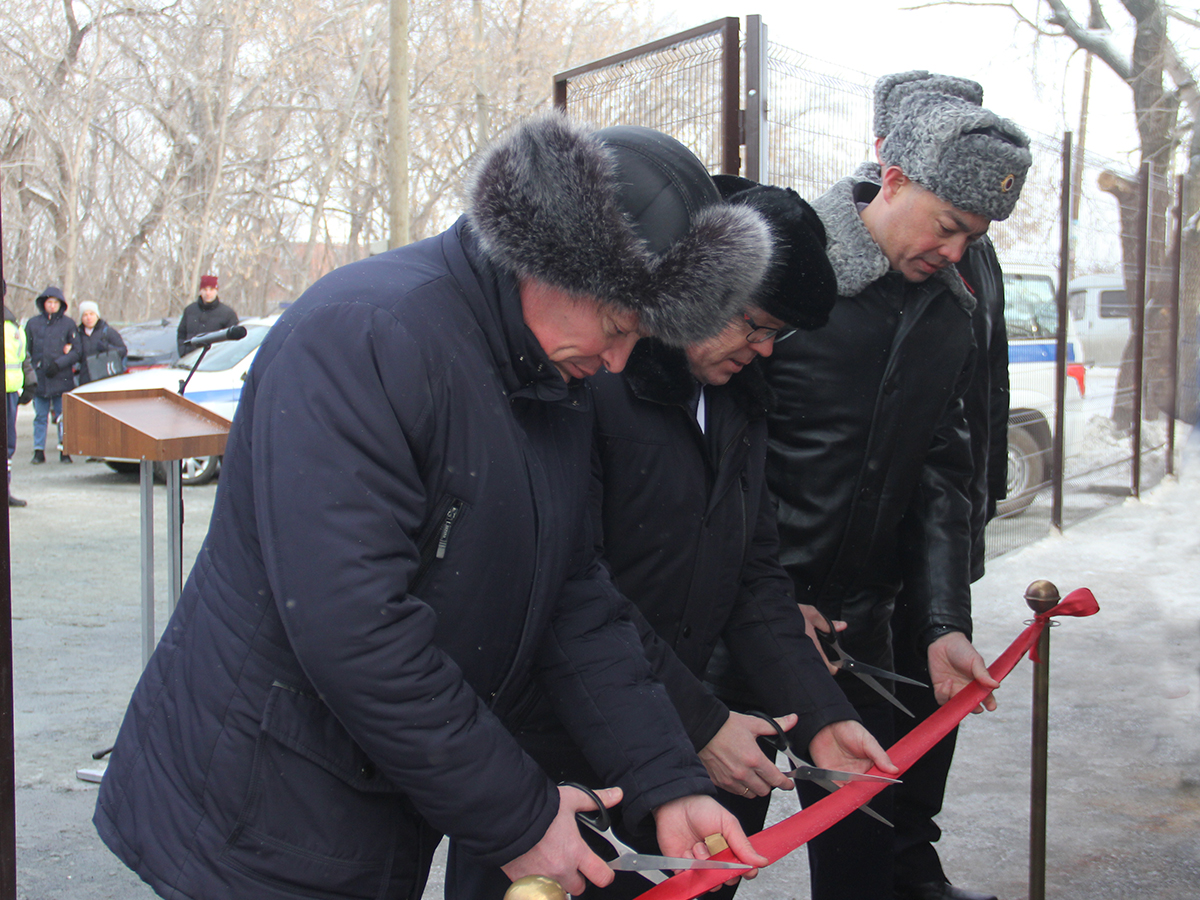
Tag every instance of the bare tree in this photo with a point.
(145, 142)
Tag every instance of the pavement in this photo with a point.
(1124, 780)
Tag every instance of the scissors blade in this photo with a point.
(853, 665)
(636, 862)
(831, 787)
(814, 773)
(883, 692)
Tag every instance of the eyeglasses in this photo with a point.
(760, 333)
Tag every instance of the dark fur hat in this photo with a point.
(800, 286)
(890, 91)
(626, 215)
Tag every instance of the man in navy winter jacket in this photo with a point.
(400, 551)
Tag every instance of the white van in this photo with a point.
(1031, 317)
(1101, 315)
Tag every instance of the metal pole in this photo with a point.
(398, 224)
(1041, 596)
(1060, 340)
(174, 532)
(1173, 347)
(731, 100)
(757, 132)
(147, 502)
(8, 787)
(1139, 322)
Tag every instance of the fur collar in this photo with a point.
(856, 258)
(660, 374)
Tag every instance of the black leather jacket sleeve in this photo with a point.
(936, 531)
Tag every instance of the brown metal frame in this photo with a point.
(1173, 346)
(1139, 325)
(729, 28)
(8, 787)
(1060, 354)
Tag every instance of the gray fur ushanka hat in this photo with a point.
(626, 215)
(891, 90)
(967, 155)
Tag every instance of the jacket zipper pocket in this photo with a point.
(437, 539)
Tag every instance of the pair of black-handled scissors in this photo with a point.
(651, 867)
(826, 778)
(840, 659)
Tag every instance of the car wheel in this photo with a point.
(1026, 472)
(196, 470)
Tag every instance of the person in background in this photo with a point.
(95, 336)
(207, 314)
(401, 549)
(16, 388)
(869, 453)
(53, 343)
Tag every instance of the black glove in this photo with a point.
(52, 368)
(26, 395)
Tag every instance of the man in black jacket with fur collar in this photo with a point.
(869, 455)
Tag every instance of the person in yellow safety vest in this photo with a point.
(15, 391)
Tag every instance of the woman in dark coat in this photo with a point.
(54, 348)
(95, 337)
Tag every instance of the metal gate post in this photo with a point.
(1139, 322)
(1173, 346)
(1060, 340)
(731, 99)
(757, 134)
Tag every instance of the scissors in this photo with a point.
(651, 867)
(826, 778)
(865, 673)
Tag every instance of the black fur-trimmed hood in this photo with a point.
(582, 211)
(660, 373)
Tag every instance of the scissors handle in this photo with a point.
(600, 822)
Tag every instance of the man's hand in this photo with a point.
(848, 747)
(737, 764)
(561, 854)
(684, 823)
(953, 664)
(813, 618)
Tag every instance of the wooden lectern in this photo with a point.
(152, 426)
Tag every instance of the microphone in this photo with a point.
(236, 333)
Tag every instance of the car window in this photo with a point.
(1076, 303)
(226, 354)
(1030, 310)
(1114, 305)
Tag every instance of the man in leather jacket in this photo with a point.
(869, 455)
(918, 873)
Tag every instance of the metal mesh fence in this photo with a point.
(676, 89)
(819, 121)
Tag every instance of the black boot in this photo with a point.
(39, 457)
(15, 501)
(63, 456)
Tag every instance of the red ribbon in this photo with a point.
(783, 837)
